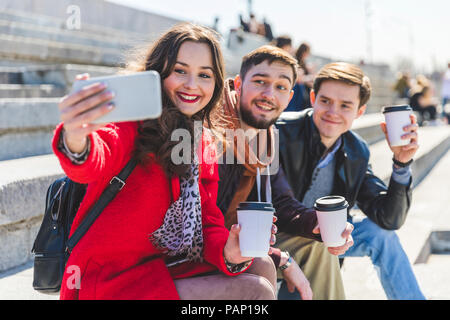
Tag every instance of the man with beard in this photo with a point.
(253, 101)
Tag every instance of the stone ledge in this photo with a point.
(28, 113)
(17, 241)
(430, 161)
(28, 142)
(97, 17)
(433, 143)
(23, 185)
(63, 35)
(15, 47)
(63, 74)
(428, 213)
(30, 91)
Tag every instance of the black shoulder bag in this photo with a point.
(52, 245)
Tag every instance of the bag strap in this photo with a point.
(115, 185)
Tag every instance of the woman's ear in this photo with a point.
(238, 84)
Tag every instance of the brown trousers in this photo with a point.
(258, 282)
(319, 266)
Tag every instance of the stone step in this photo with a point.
(65, 36)
(22, 113)
(61, 75)
(30, 91)
(368, 127)
(57, 23)
(29, 131)
(360, 278)
(25, 48)
(16, 284)
(23, 185)
(97, 16)
(26, 143)
(47, 166)
(10, 75)
(433, 141)
(429, 213)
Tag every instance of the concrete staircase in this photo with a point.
(39, 58)
(28, 105)
(429, 214)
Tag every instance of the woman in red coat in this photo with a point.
(165, 210)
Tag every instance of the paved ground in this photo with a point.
(16, 284)
(430, 211)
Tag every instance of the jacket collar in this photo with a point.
(316, 146)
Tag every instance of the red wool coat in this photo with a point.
(115, 259)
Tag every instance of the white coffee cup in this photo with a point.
(255, 219)
(331, 214)
(397, 117)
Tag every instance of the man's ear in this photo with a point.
(291, 95)
(312, 97)
(361, 111)
(238, 84)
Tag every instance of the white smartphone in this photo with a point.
(137, 96)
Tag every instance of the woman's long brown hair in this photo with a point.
(155, 135)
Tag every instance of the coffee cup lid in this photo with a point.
(261, 206)
(330, 203)
(397, 108)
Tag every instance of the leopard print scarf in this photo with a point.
(181, 232)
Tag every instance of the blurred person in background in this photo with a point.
(300, 100)
(445, 93)
(284, 42)
(267, 30)
(421, 101)
(253, 24)
(402, 85)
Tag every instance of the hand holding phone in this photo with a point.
(93, 102)
(137, 96)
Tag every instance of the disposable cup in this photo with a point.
(255, 219)
(397, 117)
(331, 214)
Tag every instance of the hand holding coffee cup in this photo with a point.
(400, 129)
(335, 231)
(232, 250)
(256, 222)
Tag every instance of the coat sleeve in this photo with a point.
(111, 148)
(386, 206)
(293, 216)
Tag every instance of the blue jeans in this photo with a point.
(388, 257)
